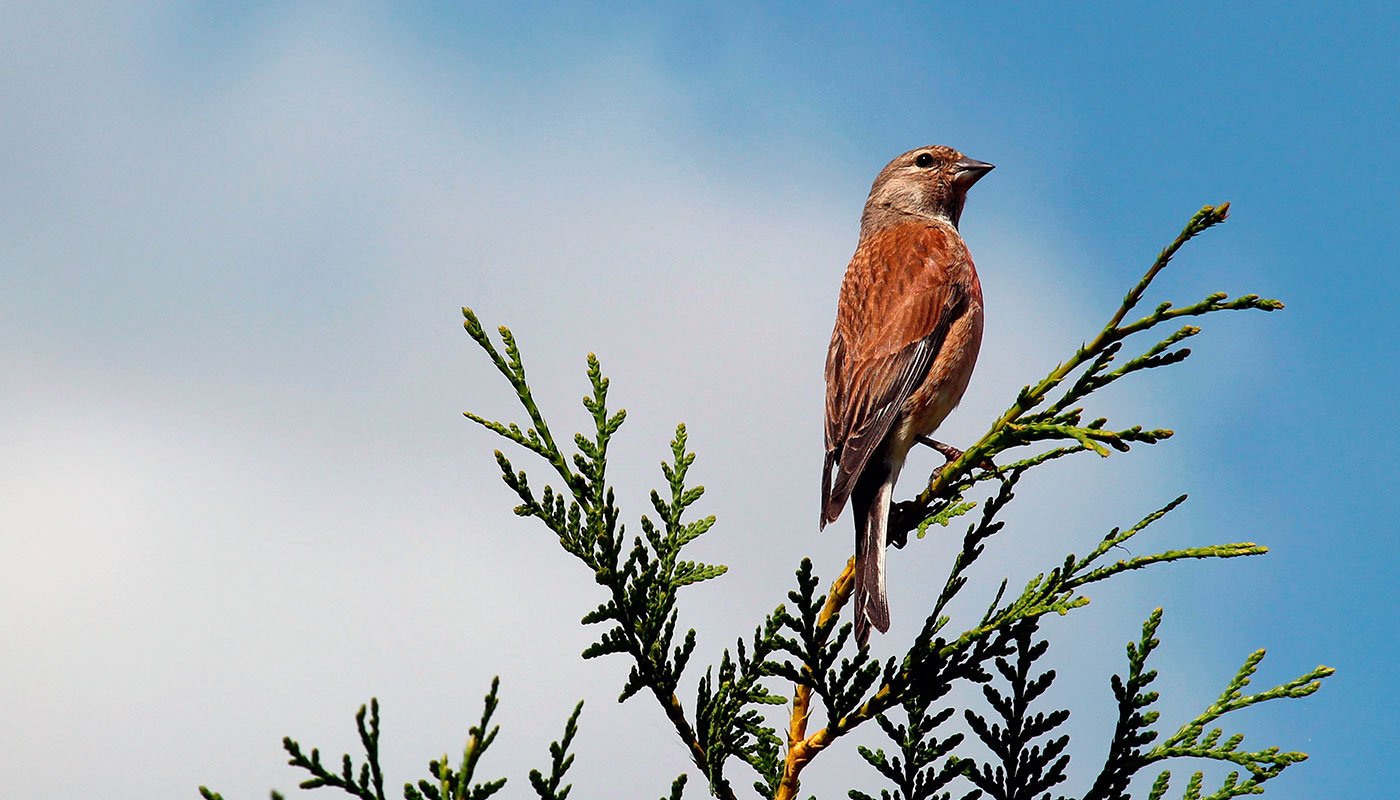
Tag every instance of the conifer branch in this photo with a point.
(446, 782)
(640, 615)
(560, 761)
(838, 686)
(1027, 422)
(1023, 765)
(1127, 751)
(367, 783)
(457, 784)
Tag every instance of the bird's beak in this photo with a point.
(970, 170)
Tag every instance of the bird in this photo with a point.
(907, 334)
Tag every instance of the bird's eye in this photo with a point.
(924, 160)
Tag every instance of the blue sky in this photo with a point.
(237, 497)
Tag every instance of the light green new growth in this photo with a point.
(1036, 417)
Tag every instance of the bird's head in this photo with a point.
(927, 182)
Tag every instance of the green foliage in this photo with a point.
(814, 655)
(1021, 768)
(640, 613)
(677, 789)
(445, 782)
(1126, 755)
(560, 761)
(925, 765)
(450, 784)
(730, 722)
(1014, 749)
(1135, 717)
(1040, 416)
(369, 784)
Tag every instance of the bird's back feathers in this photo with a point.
(904, 289)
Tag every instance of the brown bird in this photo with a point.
(908, 327)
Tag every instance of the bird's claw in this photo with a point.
(950, 454)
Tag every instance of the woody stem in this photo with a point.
(801, 749)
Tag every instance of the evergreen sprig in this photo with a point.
(929, 668)
(677, 789)
(445, 782)
(456, 784)
(1022, 768)
(1133, 733)
(1133, 730)
(640, 615)
(1039, 416)
(367, 783)
(729, 715)
(815, 660)
(1193, 740)
(559, 762)
(925, 765)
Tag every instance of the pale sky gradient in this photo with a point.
(237, 497)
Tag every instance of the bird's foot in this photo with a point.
(950, 454)
(905, 516)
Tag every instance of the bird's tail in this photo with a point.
(870, 502)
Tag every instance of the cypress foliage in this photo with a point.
(776, 701)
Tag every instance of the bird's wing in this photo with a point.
(898, 300)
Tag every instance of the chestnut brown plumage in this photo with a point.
(908, 328)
